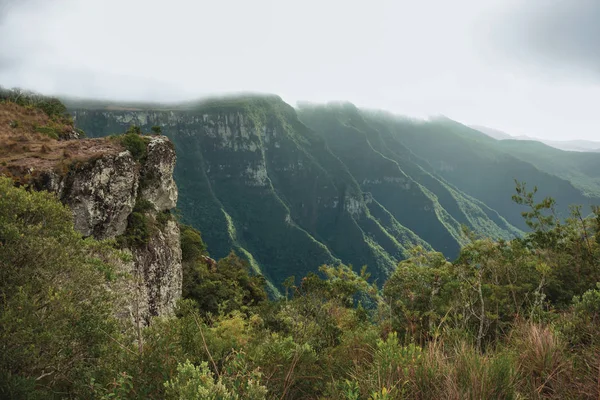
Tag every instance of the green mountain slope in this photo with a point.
(293, 189)
(478, 165)
(388, 171)
(580, 168)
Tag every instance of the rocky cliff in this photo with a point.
(113, 195)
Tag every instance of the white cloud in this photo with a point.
(416, 58)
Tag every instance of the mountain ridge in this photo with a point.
(578, 145)
(293, 188)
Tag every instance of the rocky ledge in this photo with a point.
(113, 195)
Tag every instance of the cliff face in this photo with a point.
(292, 189)
(254, 178)
(104, 185)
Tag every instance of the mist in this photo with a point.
(524, 67)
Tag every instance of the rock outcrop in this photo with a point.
(118, 188)
(158, 266)
(103, 191)
(157, 174)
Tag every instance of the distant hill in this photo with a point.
(568, 145)
(493, 133)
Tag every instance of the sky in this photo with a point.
(526, 67)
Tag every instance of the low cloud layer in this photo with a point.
(522, 66)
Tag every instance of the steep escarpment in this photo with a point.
(293, 193)
(256, 180)
(291, 189)
(114, 193)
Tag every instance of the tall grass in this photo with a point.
(533, 363)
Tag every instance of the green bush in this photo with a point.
(138, 230)
(192, 246)
(135, 144)
(163, 218)
(49, 131)
(134, 129)
(220, 288)
(193, 383)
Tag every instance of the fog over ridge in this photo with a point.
(527, 67)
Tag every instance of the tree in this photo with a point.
(569, 248)
(418, 293)
(192, 246)
(222, 287)
(134, 129)
(156, 130)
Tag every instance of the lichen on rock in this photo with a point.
(158, 267)
(101, 194)
(157, 183)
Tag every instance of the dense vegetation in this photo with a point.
(506, 320)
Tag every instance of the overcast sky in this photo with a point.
(522, 66)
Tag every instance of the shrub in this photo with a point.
(135, 144)
(134, 129)
(193, 383)
(49, 131)
(192, 246)
(223, 287)
(163, 218)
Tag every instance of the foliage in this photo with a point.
(492, 324)
(192, 246)
(418, 294)
(56, 314)
(135, 143)
(51, 106)
(52, 131)
(192, 383)
(134, 129)
(218, 287)
(141, 225)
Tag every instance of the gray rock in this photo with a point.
(158, 185)
(102, 194)
(158, 269)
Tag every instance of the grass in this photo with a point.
(532, 363)
(31, 145)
